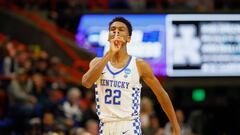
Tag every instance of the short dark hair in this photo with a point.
(123, 20)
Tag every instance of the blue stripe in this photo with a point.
(135, 101)
(121, 69)
(100, 131)
(97, 102)
(137, 127)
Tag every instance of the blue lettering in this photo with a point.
(123, 86)
(116, 84)
(119, 84)
(111, 81)
(127, 84)
(102, 82)
(107, 82)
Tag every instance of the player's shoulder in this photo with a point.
(142, 66)
(141, 63)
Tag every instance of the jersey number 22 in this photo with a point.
(112, 97)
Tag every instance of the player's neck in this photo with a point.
(120, 56)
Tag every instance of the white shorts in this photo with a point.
(121, 128)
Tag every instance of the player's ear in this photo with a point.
(128, 39)
(109, 37)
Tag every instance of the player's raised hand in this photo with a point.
(116, 44)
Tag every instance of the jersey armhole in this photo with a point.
(137, 70)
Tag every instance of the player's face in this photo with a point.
(119, 29)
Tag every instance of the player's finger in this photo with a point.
(120, 42)
(115, 42)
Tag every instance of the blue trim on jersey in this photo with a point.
(121, 69)
(97, 102)
(101, 126)
(135, 101)
(137, 127)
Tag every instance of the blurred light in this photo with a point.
(198, 95)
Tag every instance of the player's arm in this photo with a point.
(147, 75)
(96, 67)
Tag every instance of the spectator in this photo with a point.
(54, 68)
(22, 104)
(39, 88)
(79, 131)
(3, 52)
(28, 66)
(19, 90)
(160, 131)
(137, 5)
(10, 64)
(85, 133)
(41, 66)
(22, 57)
(153, 126)
(90, 113)
(71, 109)
(44, 55)
(198, 122)
(34, 127)
(146, 111)
(54, 97)
(40, 91)
(92, 127)
(87, 100)
(185, 129)
(49, 123)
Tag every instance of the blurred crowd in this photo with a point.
(33, 104)
(35, 99)
(131, 5)
(66, 13)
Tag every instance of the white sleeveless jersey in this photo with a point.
(118, 93)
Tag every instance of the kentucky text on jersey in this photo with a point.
(114, 83)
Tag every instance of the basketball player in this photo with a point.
(117, 88)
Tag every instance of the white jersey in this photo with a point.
(118, 93)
